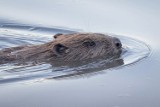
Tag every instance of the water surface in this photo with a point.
(134, 85)
(16, 34)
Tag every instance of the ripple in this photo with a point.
(15, 35)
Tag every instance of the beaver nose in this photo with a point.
(117, 43)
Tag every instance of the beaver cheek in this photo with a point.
(117, 51)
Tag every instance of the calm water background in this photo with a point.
(136, 85)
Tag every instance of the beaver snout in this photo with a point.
(117, 43)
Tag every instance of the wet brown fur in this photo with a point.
(70, 48)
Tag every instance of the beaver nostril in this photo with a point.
(117, 43)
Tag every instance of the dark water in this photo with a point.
(133, 83)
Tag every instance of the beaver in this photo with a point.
(75, 47)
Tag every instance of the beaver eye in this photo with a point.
(89, 43)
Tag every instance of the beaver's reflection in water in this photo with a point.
(81, 70)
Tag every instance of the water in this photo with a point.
(20, 34)
(128, 84)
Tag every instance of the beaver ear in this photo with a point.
(57, 35)
(60, 49)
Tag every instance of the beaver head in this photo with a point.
(74, 47)
(84, 46)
